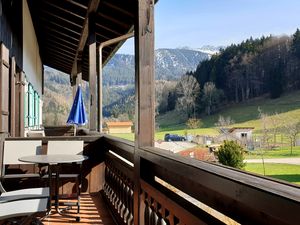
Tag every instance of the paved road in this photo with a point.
(175, 146)
(294, 161)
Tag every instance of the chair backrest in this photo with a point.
(65, 147)
(36, 133)
(13, 150)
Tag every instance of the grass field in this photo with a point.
(287, 172)
(283, 152)
(245, 114)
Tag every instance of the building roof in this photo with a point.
(118, 123)
(241, 128)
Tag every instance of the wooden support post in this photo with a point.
(93, 72)
(144, 90)
(100, 121)
(144, 74)
(22, 104)
(13, 97)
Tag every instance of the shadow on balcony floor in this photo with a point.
(92, 211)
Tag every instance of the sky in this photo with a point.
(194, 23)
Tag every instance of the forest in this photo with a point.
(267, 66)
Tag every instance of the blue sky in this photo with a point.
(194, 23)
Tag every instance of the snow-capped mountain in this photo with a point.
(170, 64)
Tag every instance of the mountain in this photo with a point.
(170, 64)
(118, 80)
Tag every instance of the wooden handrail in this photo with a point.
(247, 198)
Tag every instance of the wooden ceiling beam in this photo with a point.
(60, 33)
(108, 29)
(59, 44)
(60, 55)
(121, 10)
(51, 46)
(61, 18)
(64, 10)
(77, 4)
(59, 63)
(112, 19)
(55, 37)
(92, 8)
(59, 25)
(103, 36)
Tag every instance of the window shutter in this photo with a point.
(37, 108)
(4, 88)
(31, 105)
(26, 106)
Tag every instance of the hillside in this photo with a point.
(118, 79)
(170, 64)
(244, 114)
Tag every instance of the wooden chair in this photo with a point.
(73, 148)
(12, 151)
(23, 211)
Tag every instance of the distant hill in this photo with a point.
(118, 80)
(170, 64)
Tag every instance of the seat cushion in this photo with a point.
(23, 208)
(24, 194)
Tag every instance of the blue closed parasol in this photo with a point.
(77, 115)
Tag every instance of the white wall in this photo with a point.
(32, 63)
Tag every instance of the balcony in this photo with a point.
(163, 188)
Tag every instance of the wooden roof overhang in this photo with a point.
(62, 29)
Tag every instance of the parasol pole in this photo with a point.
(74, 129)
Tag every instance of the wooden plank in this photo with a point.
(21, 105)
(92, 8)
(114, 20)
(4, 89)
(13, 97)
(227, 190)
(99, 87)
(144, 74)
(93, 73)
(144, 89)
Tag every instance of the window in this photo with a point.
(32, 107)
(244, 135)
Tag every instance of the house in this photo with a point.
(242, 133)
(117, 127)
(135, 181)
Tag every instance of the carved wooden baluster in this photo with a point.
(130, 220)
(123, 208)
(170, 218)
(121, 198)
(112, 186)
(147, 212)
(115, 187)
(117, 201)
(127, 194)
(153, 217)
(177, 221)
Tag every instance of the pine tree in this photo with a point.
(296, 43)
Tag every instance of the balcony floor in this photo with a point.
(92, 211)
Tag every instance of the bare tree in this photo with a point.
(193, 123)
(211, 97)
(188, 90)
(265, 128)
(276, 124)
(224, 122)
(291, 128)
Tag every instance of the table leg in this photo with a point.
(61, 212)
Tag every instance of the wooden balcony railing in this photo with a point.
(154, 187)
(176, 190)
